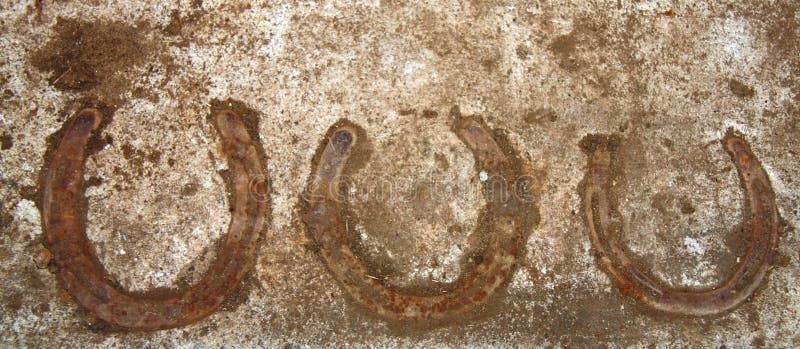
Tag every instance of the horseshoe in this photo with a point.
(605, 227)
(488, 270)
(87, 281)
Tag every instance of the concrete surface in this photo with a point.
(669, 76)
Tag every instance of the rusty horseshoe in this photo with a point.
(487, 269)
(83, 276)
(604, 225)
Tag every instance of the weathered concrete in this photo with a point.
(669, 77)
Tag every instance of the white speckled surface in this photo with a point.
(659, 73)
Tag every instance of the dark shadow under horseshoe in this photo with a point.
(504, 218)
(604, 224)
(87, 281)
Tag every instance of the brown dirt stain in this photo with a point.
(6, 141)
(740, 89)
(93, 56)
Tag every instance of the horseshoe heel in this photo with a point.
(87, 281)
(487, 270)
(604, 224)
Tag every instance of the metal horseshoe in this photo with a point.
(83, 276)
(604, 224)
(491, 271)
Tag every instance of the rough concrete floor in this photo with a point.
(669, 77)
